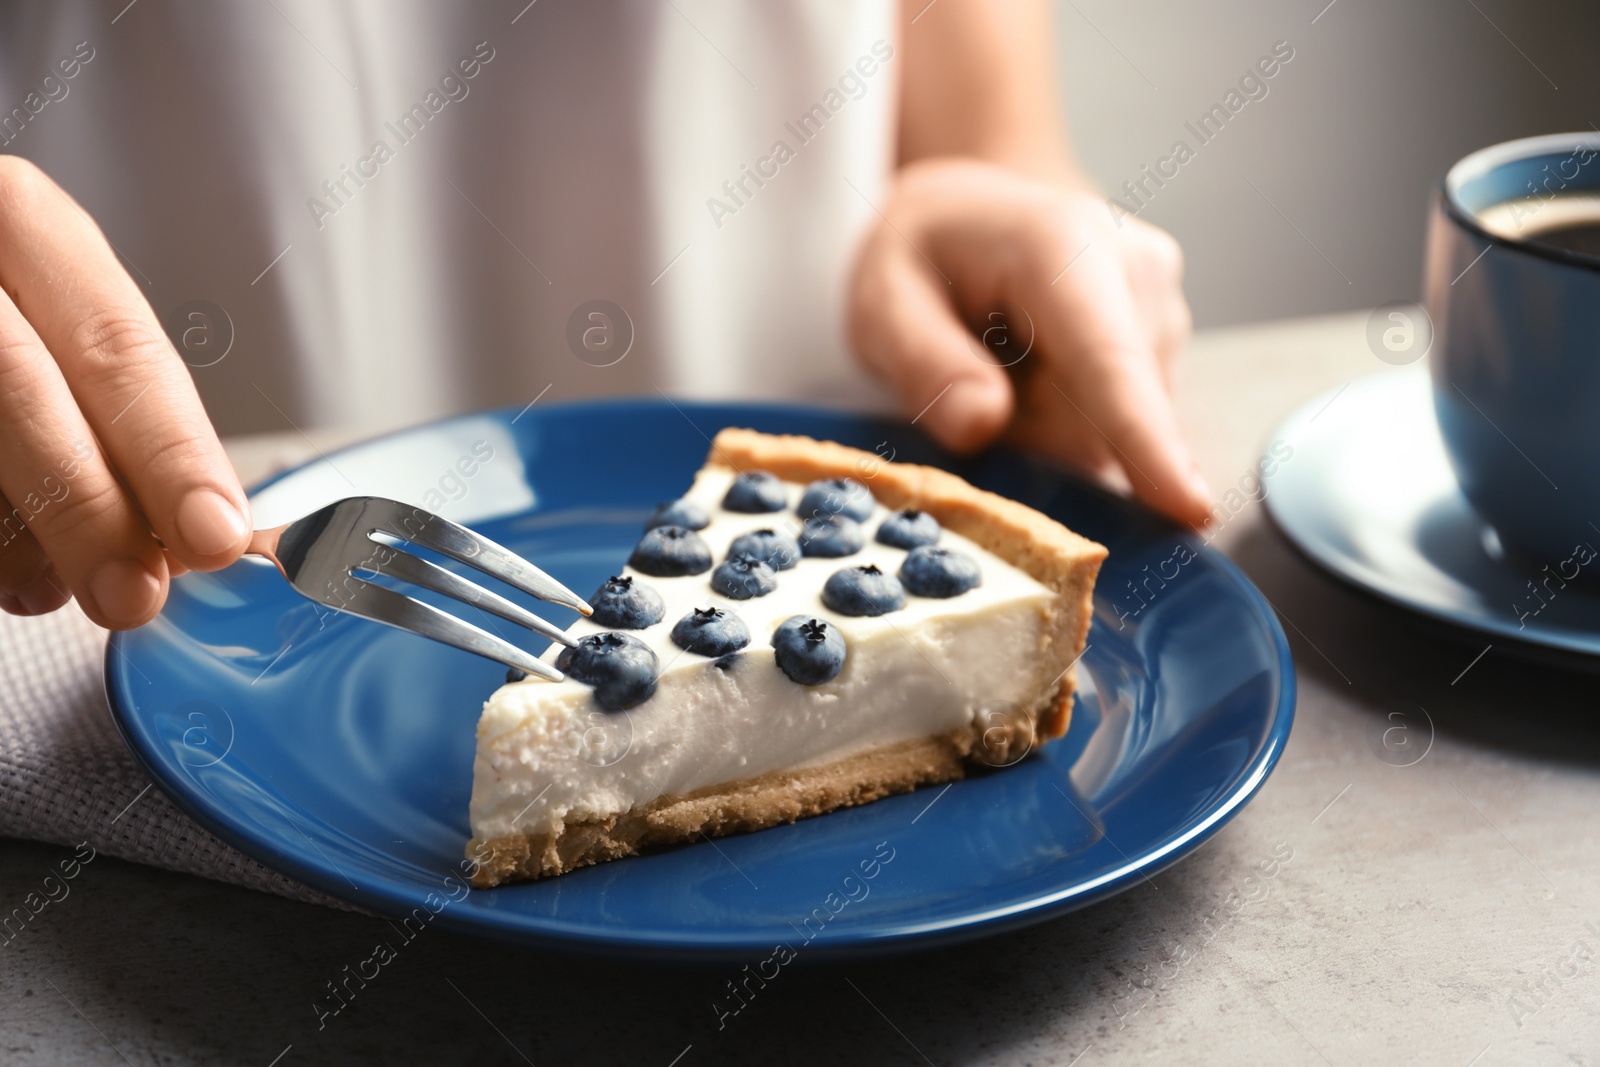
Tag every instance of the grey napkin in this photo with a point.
(67, 777)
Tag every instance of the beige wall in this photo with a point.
(1348, 142)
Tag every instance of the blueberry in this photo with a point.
(939, 572)
(909, 529)
(621, 668)
(808, 650)
(680, 512)
(754, 492)
(831, 536)
(863, 591)
(626, 604)
(774, 548)
(837, 496)
(711, 632)
(514, 675)
(743, 577)
(670, 552)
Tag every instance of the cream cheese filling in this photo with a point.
(548, 755)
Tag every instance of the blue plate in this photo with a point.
(340, 752)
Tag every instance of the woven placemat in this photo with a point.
(67, 777)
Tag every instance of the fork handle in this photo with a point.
(265, 543)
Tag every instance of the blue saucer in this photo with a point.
(340, 752)
(1368, 494)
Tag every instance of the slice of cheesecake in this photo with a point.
(809, 627)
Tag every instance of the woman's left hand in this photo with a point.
(1084, 315)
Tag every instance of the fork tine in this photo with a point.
(475, 550)
(409, 568)
(405, 613)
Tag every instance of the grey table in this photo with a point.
(1443, 912)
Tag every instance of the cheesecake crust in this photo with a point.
(1057, 558)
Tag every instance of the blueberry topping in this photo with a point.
(776, 549)
(626, 604)
(863, 591)
(754, 492)
(831, 536)
(808, 650)
(837, 496)
(728, 663)
(685, 513)
(621, 668)
(671, 552)
(939, 572)
(909, 529)
(743, 577)
(514, 675)
(711, 632)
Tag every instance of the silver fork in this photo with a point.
(325, 555)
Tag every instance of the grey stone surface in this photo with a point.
(1444, 912)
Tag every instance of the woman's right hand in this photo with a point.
(112, 477)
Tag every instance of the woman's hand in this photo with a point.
(1084, 317)
(104, 445)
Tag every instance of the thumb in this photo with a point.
(906, 331)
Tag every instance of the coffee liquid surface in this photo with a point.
(1569, 221)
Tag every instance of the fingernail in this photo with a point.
(44, 593)
(208, 523)
(123, 590)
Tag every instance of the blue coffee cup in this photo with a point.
(1516, 339)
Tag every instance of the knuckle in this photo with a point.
(92, 502)
(1163, 254)
(22, 361)
(1052, 234)
(115, 343)
(163, 460)
(1056, 237)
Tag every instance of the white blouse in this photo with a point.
(373, 212)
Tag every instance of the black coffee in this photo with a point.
(1568, 221)
(1580, 237)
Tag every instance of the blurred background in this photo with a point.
(1354, 133)
(1311, 199)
